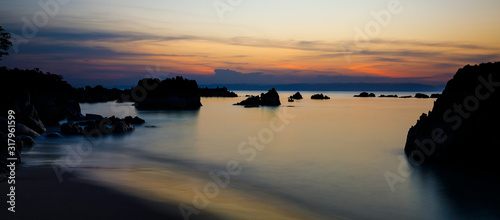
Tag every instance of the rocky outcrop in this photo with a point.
(41, 98)
(170, 94)
(98, 94)
(296, 96)
(217, 92)
(134, 120)
(462, 127)
(365, 95)
(421, 96)
(435, 96)
(271, 98)
(101, 124)
(71, 128)
(319, 96)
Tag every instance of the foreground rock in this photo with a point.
(463, 126)
(365, 95)
(271, 98)
(319, 97)
(170, 94)
(103, 125)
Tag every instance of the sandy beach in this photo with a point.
(39, 195)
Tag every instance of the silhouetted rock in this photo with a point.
(20, 129)
(463, 126)
(365, 95)
(388, 96)
(99, 94)
(290, 99)
(421, 96)
(406, 97)
(250, 101)
(93, 117)
(134, 120)
(122, 127)
(71, 128)
(175, 93)
(52, 97)
(252, 106)
(296, 96)
(25, 112)
(271, 98)
(77, 116)
(319, 97)
(217, 92)
(435, 96)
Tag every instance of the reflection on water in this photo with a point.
(329, 159)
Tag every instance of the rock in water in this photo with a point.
(365, 95)
(319, 97)
(175, 94)
(71, 128)
(421, 96)
(134, 120)
(271, 98)
(297, 96)
(122, 127)
(463, 126)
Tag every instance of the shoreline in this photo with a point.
(175, 186)
(39, 195)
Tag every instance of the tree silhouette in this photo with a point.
(5, 43)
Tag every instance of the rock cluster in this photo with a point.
(271, 98)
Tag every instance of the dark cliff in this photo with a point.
(463, 126)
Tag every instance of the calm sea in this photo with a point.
(341, 157)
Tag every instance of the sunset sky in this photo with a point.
(282, 41)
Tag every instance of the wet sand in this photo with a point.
(176, 186)
(138, 193)
(39, 195)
